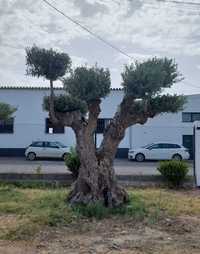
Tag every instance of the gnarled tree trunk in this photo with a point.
(96, 181)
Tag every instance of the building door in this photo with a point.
(188, 143)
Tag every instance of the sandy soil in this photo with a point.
(111, 236)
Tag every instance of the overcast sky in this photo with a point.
(141, 28)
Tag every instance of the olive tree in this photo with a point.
(79, 109)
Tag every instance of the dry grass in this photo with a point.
(24, 212)
(174, 203)
(155, 221)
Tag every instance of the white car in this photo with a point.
(159, 151)
(45, 149)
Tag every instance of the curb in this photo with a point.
(67, 179)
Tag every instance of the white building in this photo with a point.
(30, 123)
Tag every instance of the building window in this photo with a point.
(54, 129)
(102, 123)
(195, 117)
(190, 117)
(7, 126)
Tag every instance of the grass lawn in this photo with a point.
(155, 220)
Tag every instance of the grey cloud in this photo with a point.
(134, 5)
(140, 30)
(88, 9)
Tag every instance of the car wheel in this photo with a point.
(177, 157)
(65, 156)
(139, 157)
(31, 156)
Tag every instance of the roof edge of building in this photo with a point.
(42, 88)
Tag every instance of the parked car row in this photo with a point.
(155, 151)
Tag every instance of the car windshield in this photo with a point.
(60, 144)
(146, 146)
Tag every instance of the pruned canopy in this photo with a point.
(66, 103)
(156, 105)
(167, 103)
(46, 63)
(83, 86)
(142, 83)
(146, 79)
(88, 84)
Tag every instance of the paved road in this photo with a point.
(122, 166)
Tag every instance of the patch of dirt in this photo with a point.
(114, 236)
(7, 222)
(8, 247)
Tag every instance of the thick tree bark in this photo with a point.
(127, 115)
(96, 181)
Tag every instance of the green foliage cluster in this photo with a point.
(46, 63)
(66, 103)
(72, 162)
(141, 80)
(167, 103)
(174, 172)
(88, 84)
(146, 79)
(6, 111)
(82, 86)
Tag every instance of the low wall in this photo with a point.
(19, 152)
(67, 179)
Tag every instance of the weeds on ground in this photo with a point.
(171, 202)
(34, 209)
(134, 208)
(37, 208)
(38, 170)
(32, 184)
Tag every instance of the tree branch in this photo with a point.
(52, 115)
(94, 111)
(134, 111)
(71, 119)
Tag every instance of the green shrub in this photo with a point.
(174, 172)
(72, 162)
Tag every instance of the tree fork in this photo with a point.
(96, 181)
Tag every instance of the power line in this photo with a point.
(189, 9)
(182, 4)
(88, 30)
(179, 2)
(193, 8)
(117, 2)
